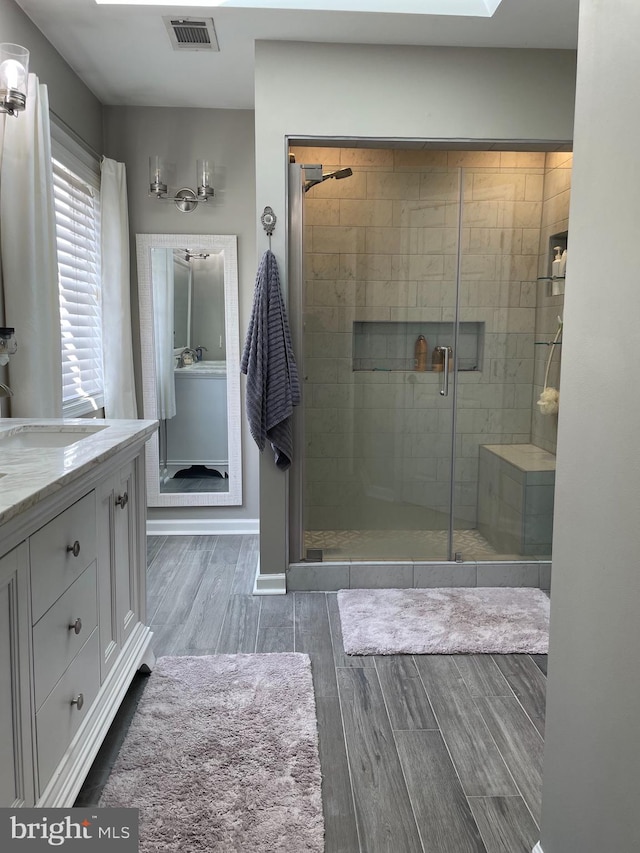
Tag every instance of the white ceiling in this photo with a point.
(124, 55)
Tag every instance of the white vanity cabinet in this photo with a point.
(198, 434)
(16, 756)
(72, 629)
(118, 534)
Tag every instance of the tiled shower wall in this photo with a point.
(381, 246)
(555, 220)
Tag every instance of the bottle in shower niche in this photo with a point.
(420, 353)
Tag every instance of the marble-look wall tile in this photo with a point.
(523, 159)
(367, 158)
(429, 213)
(519, 214)
(393, 185)
(365, 267)
(319, 211)
(469, 159)
(338, 240)
(369, 212)
(322, 266)
(419, 159)
(534, 188)
(387, 241)
(507, 186)
(440, 186)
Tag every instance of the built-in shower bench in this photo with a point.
(515, 498)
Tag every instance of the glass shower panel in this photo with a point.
(500, 257)
(380, 257)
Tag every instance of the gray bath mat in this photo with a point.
(461, 620)
(222, 755)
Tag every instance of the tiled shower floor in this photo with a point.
(400, 545)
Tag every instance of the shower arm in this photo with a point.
(314, 175)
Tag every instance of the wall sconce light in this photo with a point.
(14, 73)
(186, 200)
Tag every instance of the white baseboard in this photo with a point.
(538, 848)
(201, 526)
(275, 584)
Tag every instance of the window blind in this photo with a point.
(78, 245)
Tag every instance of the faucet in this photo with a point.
(5, 391)
(187, 356)
(199, 351)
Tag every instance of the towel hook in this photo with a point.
(268, 220)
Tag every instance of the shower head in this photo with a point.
(338, 175)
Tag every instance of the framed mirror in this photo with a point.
(189, 335)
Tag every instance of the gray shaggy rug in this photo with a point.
(222, 755)
(461, 620)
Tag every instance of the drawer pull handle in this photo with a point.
(74, 549)
(79, 702)
(76, 626)
(122, 500)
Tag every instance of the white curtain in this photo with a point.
(117, 344)
(29, 258)
(162, 278)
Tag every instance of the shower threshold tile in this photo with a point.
(398, 545)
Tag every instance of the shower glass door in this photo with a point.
(417, 257)
(379, 342)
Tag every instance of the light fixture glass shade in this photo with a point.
(204, 170)
(14, 73)
(158, 175)
(162, 184)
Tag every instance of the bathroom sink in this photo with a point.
(204, 367)
(40, 436)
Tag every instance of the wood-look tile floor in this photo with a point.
(441, 754)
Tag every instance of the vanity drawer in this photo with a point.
(60, 552)
(58, 719)
(55, 641)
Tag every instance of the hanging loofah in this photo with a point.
(550, 398)
(548, 402)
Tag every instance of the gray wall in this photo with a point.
(592, 752)
(69, 98)
(380, 91)
(226, 137)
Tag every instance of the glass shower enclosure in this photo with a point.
(422, 318)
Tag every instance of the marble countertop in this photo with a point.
(38, 468)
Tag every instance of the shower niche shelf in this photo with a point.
(385, 345)
(555, 283)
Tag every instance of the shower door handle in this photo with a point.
(445, 352)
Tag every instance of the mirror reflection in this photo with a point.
(188, 307)
(188, 290)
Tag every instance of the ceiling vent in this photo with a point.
(192, 33)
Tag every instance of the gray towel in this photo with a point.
(272, 377)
